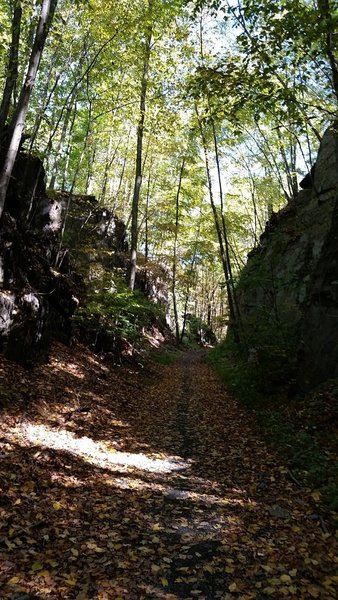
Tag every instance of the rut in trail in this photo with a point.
(162, 490)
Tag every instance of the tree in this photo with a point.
(139, 148)
(18, 121)
(12, 67)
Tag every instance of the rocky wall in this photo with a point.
(37, 299)
(288, 290)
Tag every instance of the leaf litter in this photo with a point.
(129, 484)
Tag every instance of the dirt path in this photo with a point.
(117, 488)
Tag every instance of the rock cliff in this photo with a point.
(37, 300)
(288, 290)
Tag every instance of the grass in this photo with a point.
(302, 429)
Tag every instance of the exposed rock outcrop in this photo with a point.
(37, 300)
(289, 287)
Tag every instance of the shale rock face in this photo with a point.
(36, 299)
(289, 287)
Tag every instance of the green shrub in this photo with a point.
(198, 331)
(115, 314)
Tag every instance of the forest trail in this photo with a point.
(148, 485)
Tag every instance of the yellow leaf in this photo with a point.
(267, 568)
(316, 496)
(57, 506)
(208, 568)
(313, 591)
(229, 569)
(46, 575)
(164, 582)
(285, 578)
(233, 587)
(293, 572)
(329, 581)
(74, 552)
(14, 580)
(52, 562)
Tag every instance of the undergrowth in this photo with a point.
(114, 318)
(301, 429)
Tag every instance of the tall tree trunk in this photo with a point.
(326, 13)
(46, 99)
(187, 297)
(68, 149)
(17, 124)
(139, 148)
(111, 156)
(121, 178)
(12, 67)
(217, 224)
(225, 232)
(173, 287)
(58, 154)
(146, 216)
(83, 152)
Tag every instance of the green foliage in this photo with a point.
(113, 317)
(243, 378)
(199, 331)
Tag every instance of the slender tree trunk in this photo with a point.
(46, 98)
(217, 224)
(139, 148)
(121, 174)
(225, 231)
(187, 297)
(68, 149)
(173, 288)
(83, 152)
(326, 13)
(72, 90)
(146, 216)
(290, 168)
(47, 13)
(185, 315)
(90, 170)
(109, 163)
(107, 167)
(60, 147)
(12, 67)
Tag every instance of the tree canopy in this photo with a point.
(192, 121)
